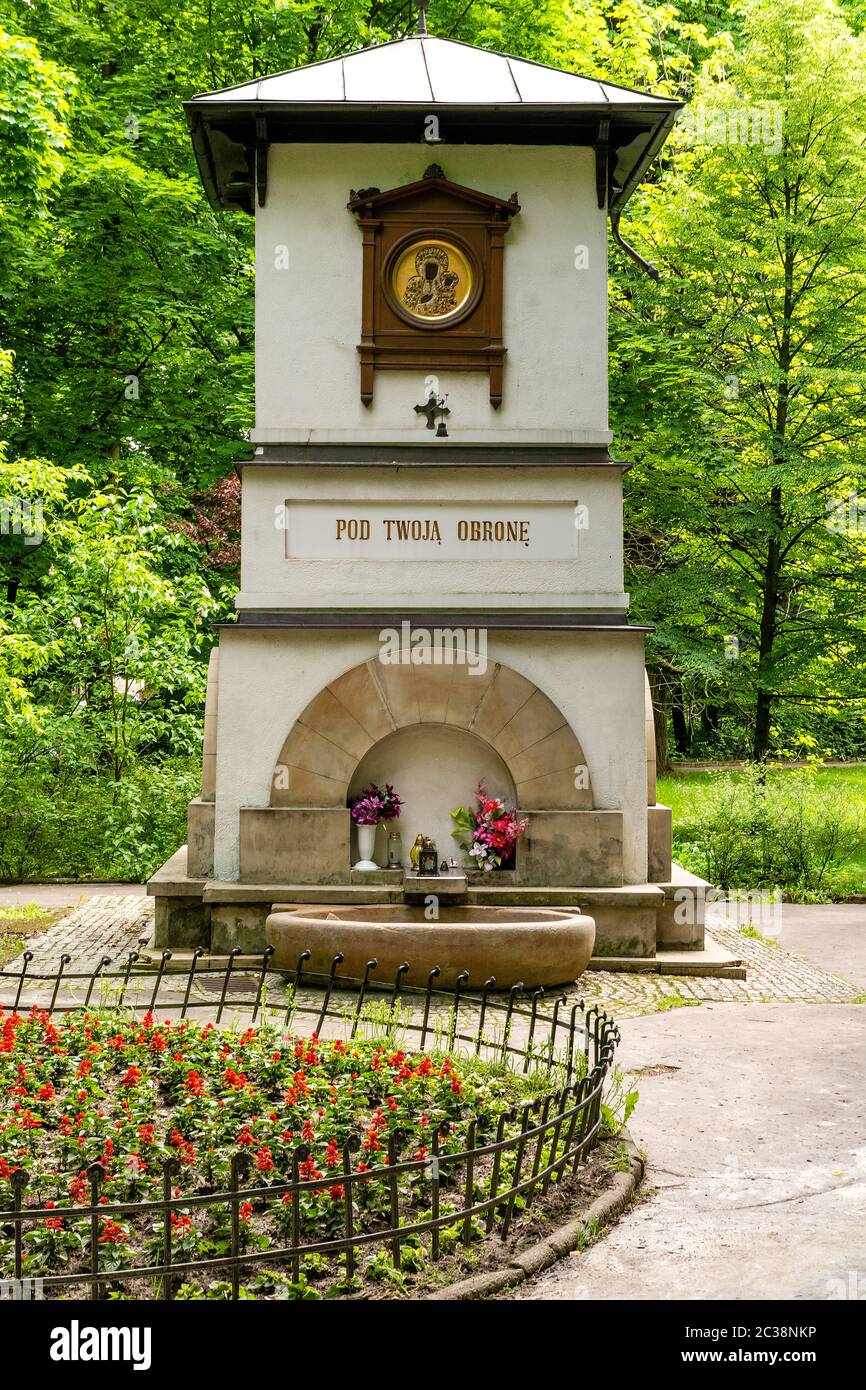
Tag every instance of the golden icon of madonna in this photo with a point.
(432, 280)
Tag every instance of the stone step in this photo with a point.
(714, 961)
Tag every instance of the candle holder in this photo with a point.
(428, 860)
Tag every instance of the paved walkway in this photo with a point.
(54, 895)
(115, 925)
(754, 1121)
(106, 925)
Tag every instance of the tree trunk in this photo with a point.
(771, 583)
(660, 720)
(682, 736)
(764, 698)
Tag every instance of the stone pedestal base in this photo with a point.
(631, 921)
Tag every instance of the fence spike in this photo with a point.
(433, 975)
(368, 968)
(28, 956)
(196, 957)
(266, 955)
(64, 961)
(332, 975)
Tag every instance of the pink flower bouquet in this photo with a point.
(490, 832)
(376, 804)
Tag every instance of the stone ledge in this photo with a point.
(172, 880)
(450, 885)
(630, 895)
(682, 936)
(298, 893)
(713, 961)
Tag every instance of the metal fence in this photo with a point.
(536, 1144)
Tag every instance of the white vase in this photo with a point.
(366, 846)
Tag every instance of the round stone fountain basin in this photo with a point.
(539, 946)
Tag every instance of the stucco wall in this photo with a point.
(267, 678)
(308, 314)
(593, 579)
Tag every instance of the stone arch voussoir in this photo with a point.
(375, 698)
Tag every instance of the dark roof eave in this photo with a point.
(657, 118)
(350, 109)
(657, 139)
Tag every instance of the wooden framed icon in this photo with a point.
(433, 266)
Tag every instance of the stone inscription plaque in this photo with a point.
(380, 530)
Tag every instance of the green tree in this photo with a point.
(743, 373)
(120, 616)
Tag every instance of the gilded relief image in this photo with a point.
(432, 280)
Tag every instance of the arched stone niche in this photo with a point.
(434, 768)
(506, 725)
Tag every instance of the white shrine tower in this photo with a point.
(432, 538)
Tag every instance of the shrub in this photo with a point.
(766, 828)
(80, 825)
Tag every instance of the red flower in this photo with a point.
(112, 1233)
(131, 1076)
(78, 1188)
(185, 1150)
(195, 1083)
(264, 1159)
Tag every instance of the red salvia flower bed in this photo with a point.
(132, 1093)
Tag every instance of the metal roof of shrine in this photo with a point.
(383, 93)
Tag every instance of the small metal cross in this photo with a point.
(432, 408)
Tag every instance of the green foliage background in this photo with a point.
(126, 377)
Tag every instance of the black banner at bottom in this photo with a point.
(170, 1338)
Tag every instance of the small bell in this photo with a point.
(441, 431)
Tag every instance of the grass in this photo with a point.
(686, 793)
(754, 935)
(23, 920)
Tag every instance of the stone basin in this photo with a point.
(540, 946)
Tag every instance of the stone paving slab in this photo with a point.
(114, 926)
